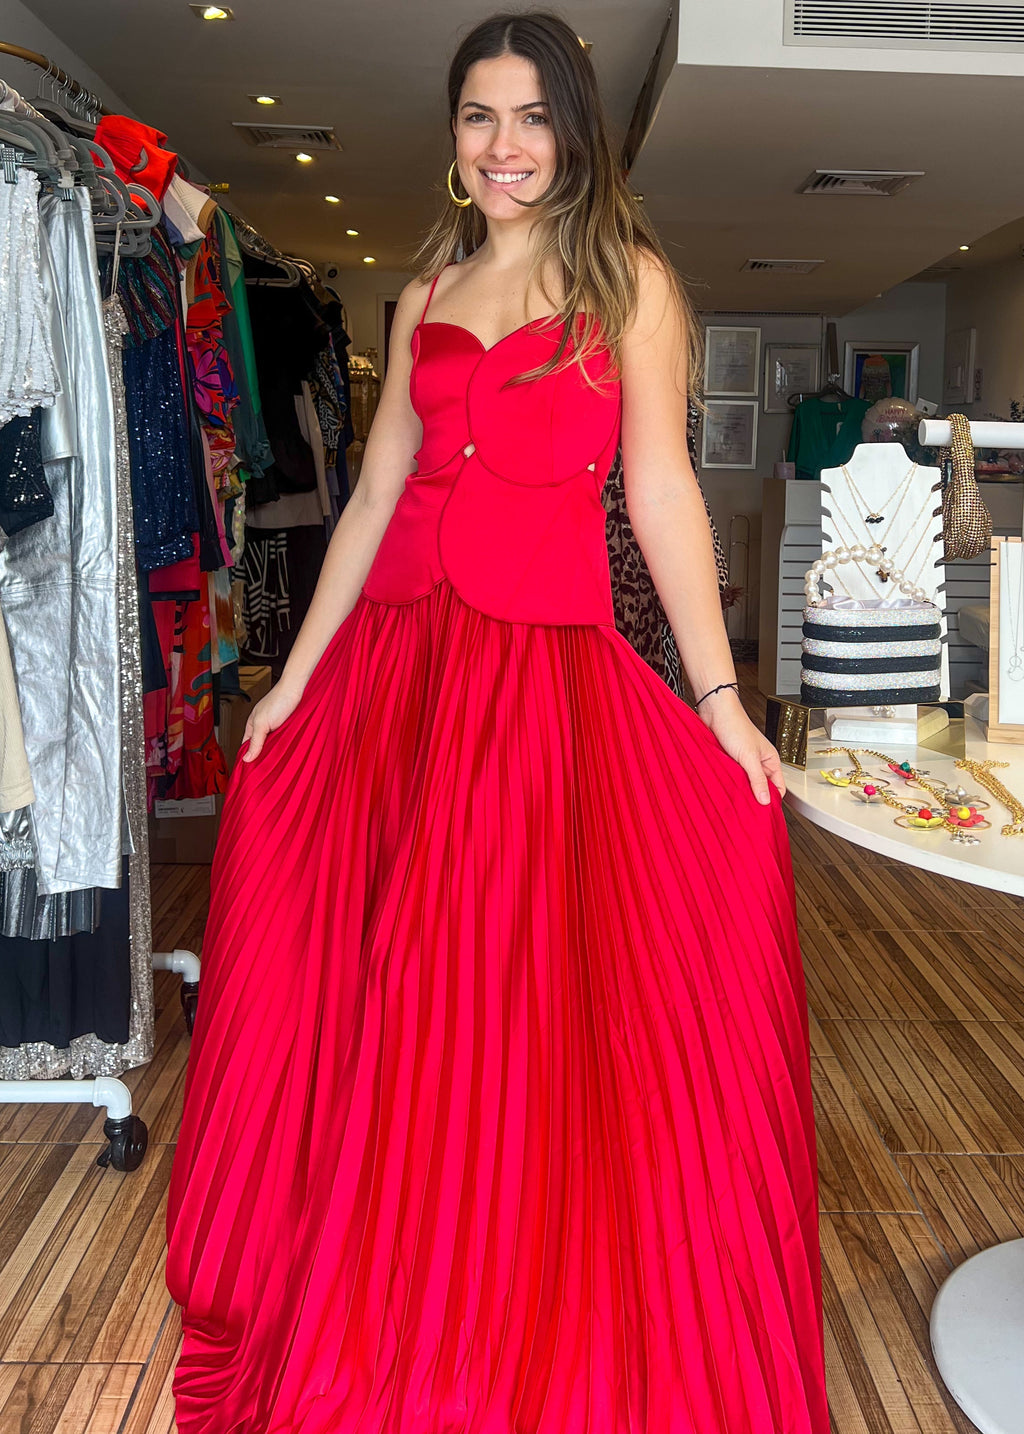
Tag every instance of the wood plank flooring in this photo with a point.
(916, 988)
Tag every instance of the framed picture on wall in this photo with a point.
(882, 370)
(789, 369)
(731, 361)
(730, 435)
(958, 367)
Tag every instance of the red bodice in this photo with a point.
(506, 499)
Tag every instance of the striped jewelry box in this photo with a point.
(870, 656)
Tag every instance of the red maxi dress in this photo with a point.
(497, 1117)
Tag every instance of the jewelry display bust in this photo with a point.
(881, 499)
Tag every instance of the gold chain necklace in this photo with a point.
(926, 533)
(982, 773)
(879, 573)
(956, 816)
(868, 515)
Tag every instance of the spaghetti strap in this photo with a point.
(433, 286)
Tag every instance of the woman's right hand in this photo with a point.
(268, 714)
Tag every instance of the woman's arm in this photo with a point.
(391, 445)
(667, 514)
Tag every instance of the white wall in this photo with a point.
(911, 312)
(18, 26)
(991, 301)
(749, 32)
(360, 290)
(738, 490)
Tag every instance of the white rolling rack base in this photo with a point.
(126, 1134)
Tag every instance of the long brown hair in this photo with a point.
(595, 224)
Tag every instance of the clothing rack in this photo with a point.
(67, 83)
(116, 207)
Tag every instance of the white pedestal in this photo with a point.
(977, 1332)
(861, 727)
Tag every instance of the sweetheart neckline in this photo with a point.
(484, 348)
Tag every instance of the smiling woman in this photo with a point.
(498, 1111)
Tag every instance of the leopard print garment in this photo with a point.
(639, 615)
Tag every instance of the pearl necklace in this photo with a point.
(857, 553)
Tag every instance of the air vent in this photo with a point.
(288, 136)
(907, 24)
(859, 181)
(780, 266)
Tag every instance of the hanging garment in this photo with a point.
(824, 434)
(288, 333)
(163, 487)
(25, 497)
(28, 372)
(251, 440)
(639, 615)
(265, 598)
(16, 789)
(179, 206)
(58, 584)
(183, 758)
(138, 152)
(79, 980)
(498, 1108)
(139, 1045)
(23, 912)
(64, 1003)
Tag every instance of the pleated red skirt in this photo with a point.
(497, 1117)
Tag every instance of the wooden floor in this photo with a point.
(916, 989)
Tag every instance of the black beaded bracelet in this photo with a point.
(719, 688)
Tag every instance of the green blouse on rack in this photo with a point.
(825, 434)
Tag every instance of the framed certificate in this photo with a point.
(731, 361)
(789, 369)
(730, 435)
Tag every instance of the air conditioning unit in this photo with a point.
(981, 25)
(886, 182)
(780, 266)
(288, 136)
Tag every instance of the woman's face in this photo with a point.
(504, 142)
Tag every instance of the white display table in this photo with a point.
(977, 1319)
(996, 861)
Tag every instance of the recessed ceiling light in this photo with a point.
(353, 232)
(332, 199)
(369, 259)
(212, 12)
(265, 99)
(303, 157)
(964, 248)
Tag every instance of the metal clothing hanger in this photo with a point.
(831, 389)
(257, 247)
(36, 144)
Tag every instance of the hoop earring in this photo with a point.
(455, 199)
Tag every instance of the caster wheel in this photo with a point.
(189, 999)
(128, 1140)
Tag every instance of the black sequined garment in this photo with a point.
(25, 496)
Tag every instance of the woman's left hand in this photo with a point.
(739, 737)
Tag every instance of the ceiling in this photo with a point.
(375, 70)
(730, 148)
(719, 169)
